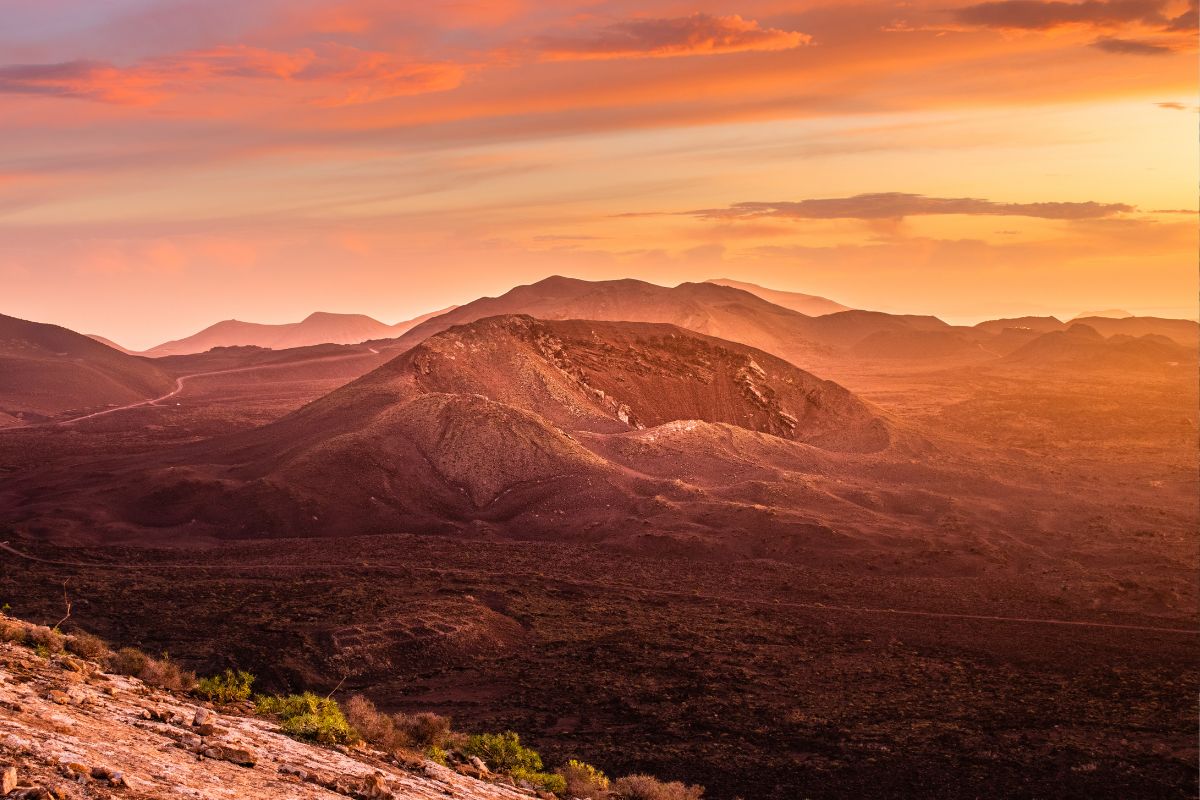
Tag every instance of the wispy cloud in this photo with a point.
(338, 74)
(1133, 47)
(1039, 15)
(897, 205)
(698, 34)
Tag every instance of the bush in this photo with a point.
(372, 724)
(129, 661)
(503, 752)
(46, 640)
(229, 687)
(583, 780)
(88, 646)
(644, 787)
(308, 716)
(161, 672)
(546, 781)
(423, 731)
(11, 631)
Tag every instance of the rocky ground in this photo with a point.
(69, 730)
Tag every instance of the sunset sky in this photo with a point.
(168, 163)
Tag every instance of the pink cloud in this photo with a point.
(698, 34)
(329, 74)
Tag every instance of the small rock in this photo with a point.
(241, 756)
(201, 717)
(374, 788)
(8, 779)
(299, 772)
(205, 730)
(62, 698)
(478, 764)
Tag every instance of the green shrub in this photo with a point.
(645, 787)
(229, 687)
(88, 646)
(438, 755)
(308, 716)
(583, 780)
(546, 781)
(503, 752)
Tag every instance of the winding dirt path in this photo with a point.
(179, 385)
(627, 588)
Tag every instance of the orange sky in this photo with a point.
(168, 163)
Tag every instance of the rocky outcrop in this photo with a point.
(69, 730)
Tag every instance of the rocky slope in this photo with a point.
(69, 730)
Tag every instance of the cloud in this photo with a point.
(1132, 47)
(332, 74)
(699, 34)
(896, 205)
(85, 79)
(1039, 15)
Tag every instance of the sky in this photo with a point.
(165, 164)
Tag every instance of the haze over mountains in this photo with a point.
(315, 353)
(317, 328)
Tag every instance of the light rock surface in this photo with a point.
(115, 737)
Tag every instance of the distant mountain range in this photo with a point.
(51, 372)
(808, 304)
(318, 328)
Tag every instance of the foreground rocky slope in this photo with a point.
(68, 730)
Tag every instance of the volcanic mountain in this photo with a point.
(1083, 347)
(708, 308)
(530, 428)
(808, 304)
(46, 370)
(318, 328)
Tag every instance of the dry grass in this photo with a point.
(88, 646)
(645, 787)
(161, 672)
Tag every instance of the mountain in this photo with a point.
(808, 304)
(705, 308)
(46, 370)
(1083, 347)
(1035, 324)
(1181, 331)
(1108, 313)
(111, 343)
(317, 328)
(512, 424)
(708, 308)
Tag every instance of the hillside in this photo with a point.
(70, 730)
(47, 370)
(506, 423)
(808, 304)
